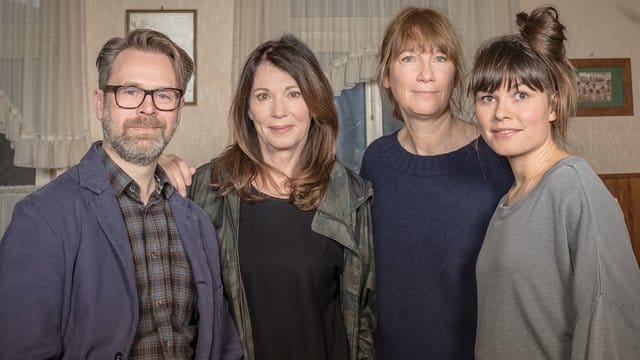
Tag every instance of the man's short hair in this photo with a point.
(145, 40)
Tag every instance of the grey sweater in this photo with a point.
(556, 274)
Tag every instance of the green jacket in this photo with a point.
(343, 216)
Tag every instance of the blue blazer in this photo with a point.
(67, 282)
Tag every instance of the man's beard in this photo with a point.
(140, 150)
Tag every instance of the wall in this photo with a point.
(596, 29)
(203, 131)
(604, 29)
(626, 189)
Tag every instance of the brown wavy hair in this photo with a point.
(145, 40)
(242, 162)
(536, 57)
(423, 29)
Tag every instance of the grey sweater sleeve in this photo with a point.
(606, 282)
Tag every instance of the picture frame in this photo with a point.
(179, 26)
(604, 87)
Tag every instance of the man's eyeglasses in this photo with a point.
(131, 97)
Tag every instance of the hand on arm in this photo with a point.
(178, 171)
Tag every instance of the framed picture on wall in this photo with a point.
(178, 25)
(604, 87)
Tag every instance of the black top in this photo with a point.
(291, 277)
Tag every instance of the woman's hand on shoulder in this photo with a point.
(178, 172)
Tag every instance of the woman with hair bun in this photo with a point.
(556, 274)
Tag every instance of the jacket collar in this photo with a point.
(91, 170)
(345, 193)
(335, 216)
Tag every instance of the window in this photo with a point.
(13, 20)
(365, 114)
(11, 175)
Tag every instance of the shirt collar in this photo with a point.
(121, 181)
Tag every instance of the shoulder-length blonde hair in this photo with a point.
(242, 162)
(420, 29)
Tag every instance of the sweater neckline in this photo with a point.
(504, 211)
(428, 165)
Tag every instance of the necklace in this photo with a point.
(518, 192)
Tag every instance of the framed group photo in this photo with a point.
(178, 25)
(604, 87)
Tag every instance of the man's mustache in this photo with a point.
(148, 122)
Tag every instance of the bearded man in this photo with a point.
(107, 261)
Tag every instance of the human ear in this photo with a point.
(98, 103)
(385, 80)
(553, 104)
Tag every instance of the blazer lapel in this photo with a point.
(100, 197)
(191, 239)
(107, 212)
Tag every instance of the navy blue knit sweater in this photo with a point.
(430, 214)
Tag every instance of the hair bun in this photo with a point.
(521, 20)
(544, 32)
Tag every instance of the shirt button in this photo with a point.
(154, 254)
(158, 303)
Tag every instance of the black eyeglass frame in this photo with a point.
(114, 90)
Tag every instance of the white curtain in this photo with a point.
(346, 34)
(43, 101)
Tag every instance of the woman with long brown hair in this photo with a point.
(293, 223)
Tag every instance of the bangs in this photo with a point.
(509, 63)
(426, 38)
